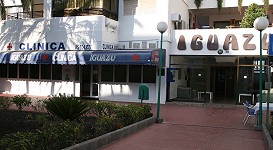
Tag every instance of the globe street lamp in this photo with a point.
(161, 27)
(260, 24)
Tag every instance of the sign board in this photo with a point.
(270, 45)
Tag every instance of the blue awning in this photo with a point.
(131, 57)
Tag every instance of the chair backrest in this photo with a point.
(251, 111)
(247, 103)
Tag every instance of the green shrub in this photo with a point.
(39, 105)
(5, 102)
(18, 141)
(59, 136)
(102, 108)
(252, 12)
(105, 124)
(47, 138)
(21, 101)
(41, 119)
(132, 113)
(66, 107)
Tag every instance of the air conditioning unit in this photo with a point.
(175, 17)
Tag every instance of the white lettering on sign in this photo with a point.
(83, 47)
(102, 57)
(63, 57)
(109, 46)
(20, 57)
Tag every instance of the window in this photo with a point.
(226, 24)
(111, 5)
(77, 68)
(34, 71)
(16, 11)
(135, 73)
(120, 73)
(108, 8)
(23, 71)
(107, 73)
(45, 71)
(3, 70)
(56, 72)
(149, 74)
(12, 70)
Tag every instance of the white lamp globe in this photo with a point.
(162, 27)
(261, 23)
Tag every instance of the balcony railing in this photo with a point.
(84, 12)
(16, 12)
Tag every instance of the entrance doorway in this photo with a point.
(223, 83)
(89, 81)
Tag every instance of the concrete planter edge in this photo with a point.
(108, 138)
(267, 138)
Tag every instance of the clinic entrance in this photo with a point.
(223, 81)
(89, 81)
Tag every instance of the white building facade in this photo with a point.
(105, 49)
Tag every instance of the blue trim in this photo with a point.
(112, 57)
(270, 45)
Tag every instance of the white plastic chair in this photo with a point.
(250, 112)
(247, 107)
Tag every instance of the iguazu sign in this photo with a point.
(198, 42)
(102, 57)
(20, 57)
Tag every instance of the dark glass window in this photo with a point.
(108, 8)
(56, 72)
(135, 73)
(149, 74)
(34, 71)
(77, 73)
(3, 70)
(111, 5)
(120, 73)
(12, 70)
(45, 71)
(107, 73)
(23, 71)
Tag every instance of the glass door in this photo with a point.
(85, 82)
(95, 81)
(197, 82)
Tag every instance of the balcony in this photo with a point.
(84, 12)
(16, 12)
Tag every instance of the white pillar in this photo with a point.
(47, 9)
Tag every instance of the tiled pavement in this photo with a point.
(190, 127)
(195, 128)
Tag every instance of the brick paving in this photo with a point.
(188, 127)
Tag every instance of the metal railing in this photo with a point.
(15, 12)
(84, 12)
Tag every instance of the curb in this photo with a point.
(108, 138)
(267, 137)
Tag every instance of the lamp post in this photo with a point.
(260, 24)
(161, 27)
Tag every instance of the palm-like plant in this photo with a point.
(26, 5)
(66, 107)
(252, 12)
(240, 2)
(266, 5)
